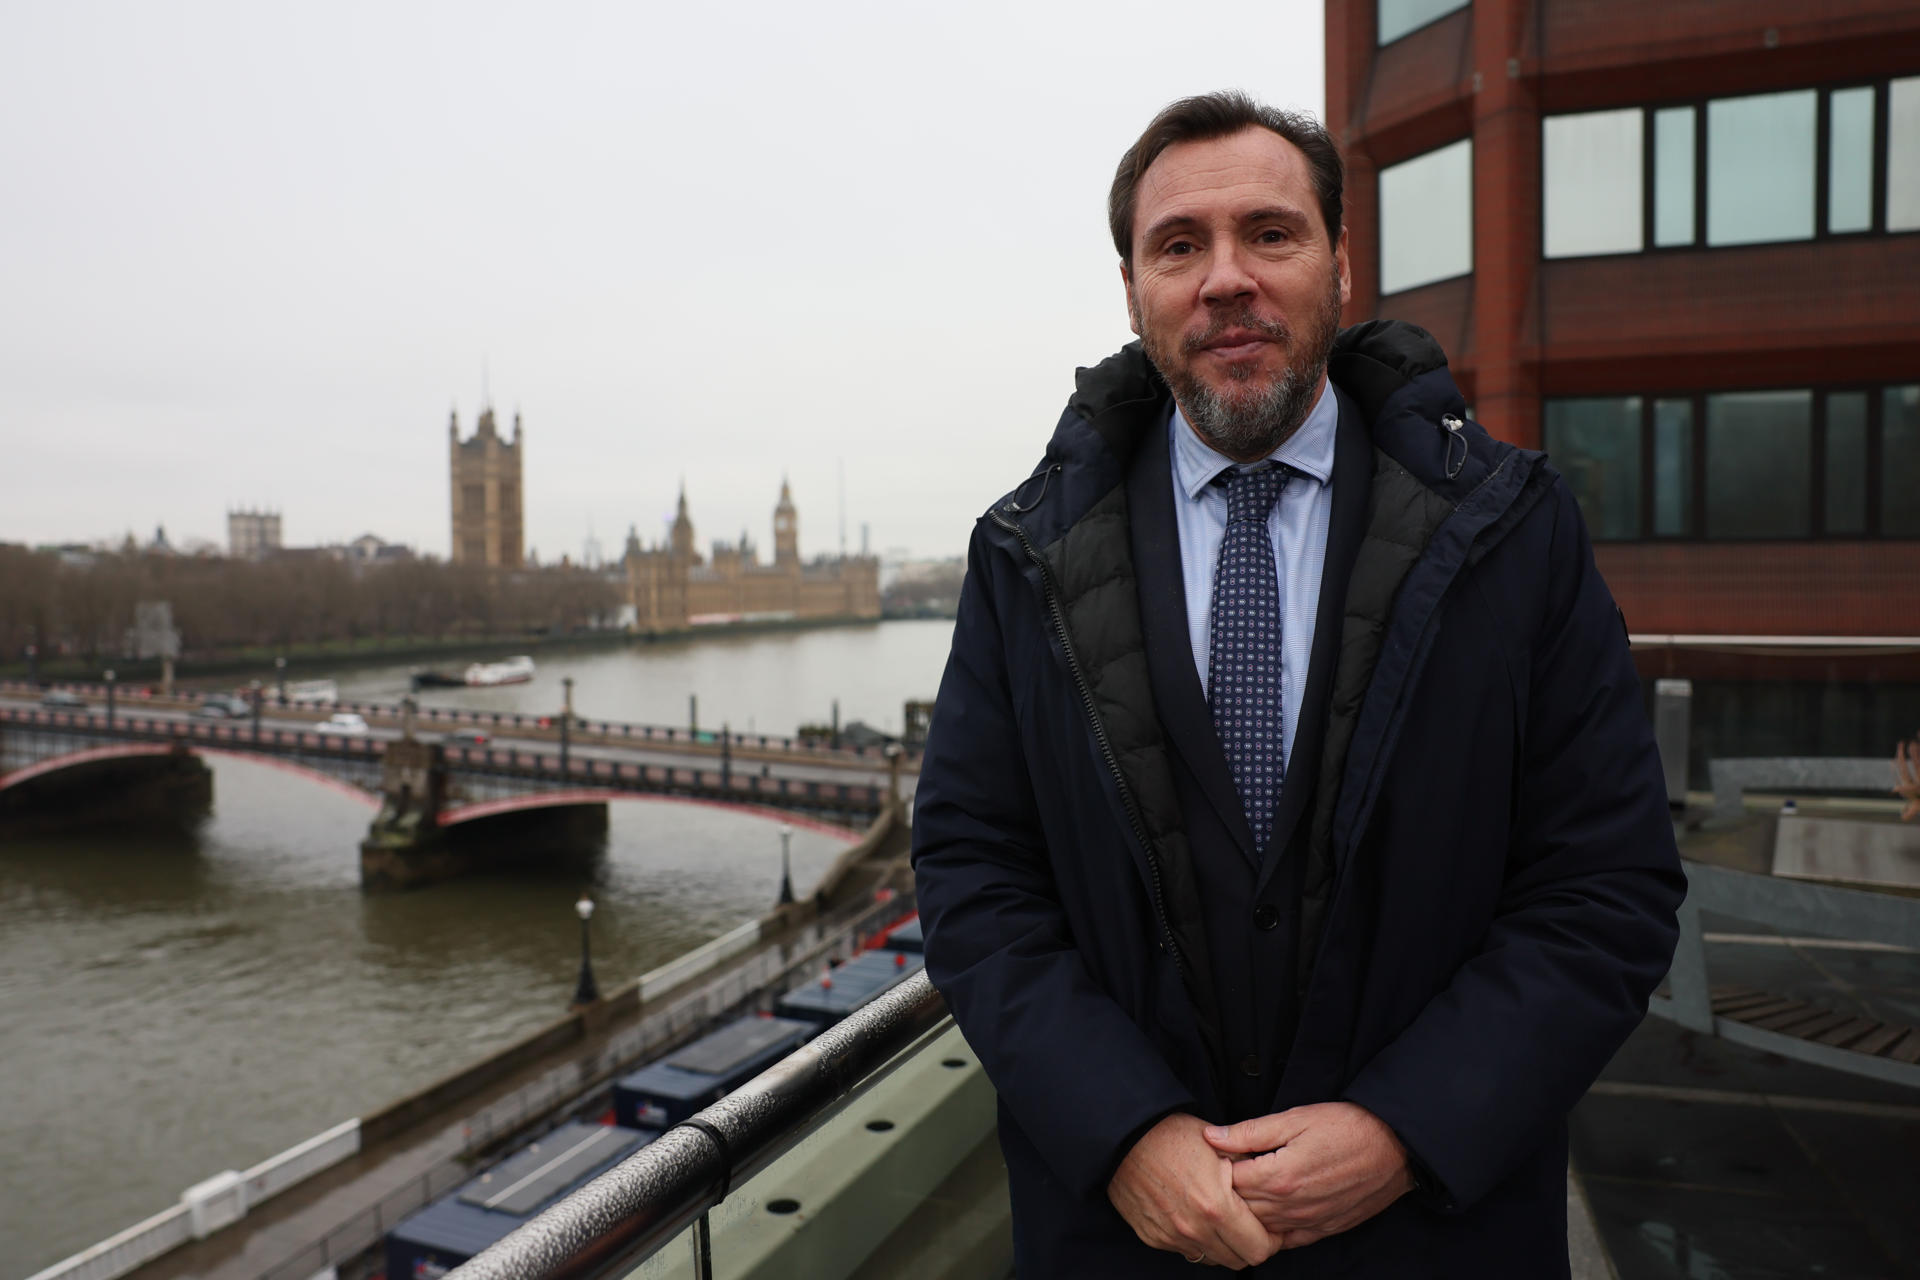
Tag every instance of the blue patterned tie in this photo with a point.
(1243, 669)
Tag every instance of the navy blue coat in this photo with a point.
(1474, 860)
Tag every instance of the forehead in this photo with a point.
(1254, 168)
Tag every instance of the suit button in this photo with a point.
(1265, 917)
(1250, 1065)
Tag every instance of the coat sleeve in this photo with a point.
(1585, 927)
(1079, 1077)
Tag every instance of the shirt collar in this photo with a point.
(1309, 451)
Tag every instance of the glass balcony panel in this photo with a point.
(1673, 170)
(1426, 218)
(1759, 447)
(1592, 181)
(1760, 168)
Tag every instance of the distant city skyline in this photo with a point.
(255, 254)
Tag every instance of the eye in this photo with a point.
(1272, 235)
(1180, 248)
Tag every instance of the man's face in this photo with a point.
(1234, 288)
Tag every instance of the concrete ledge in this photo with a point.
(1731, 778)
(1847, 851)
(1586, 1249)
(856, 1181)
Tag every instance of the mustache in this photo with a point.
(1274, 330)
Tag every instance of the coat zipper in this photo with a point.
(1051, 592)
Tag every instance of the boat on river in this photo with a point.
(484, 675)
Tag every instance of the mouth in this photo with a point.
(1237, 342)
(1237, 350)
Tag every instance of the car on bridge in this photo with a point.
(63, 700)
(466, 736)
(343, 722)
(224, 706)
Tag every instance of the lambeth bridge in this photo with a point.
(451, 789)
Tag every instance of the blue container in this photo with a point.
(460, 1224)
(905, 937)
(838, 992)
(668, 1091)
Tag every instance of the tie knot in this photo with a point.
(1251, 494)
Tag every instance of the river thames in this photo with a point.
(179, 1005)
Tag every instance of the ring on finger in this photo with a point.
(1197, 1257)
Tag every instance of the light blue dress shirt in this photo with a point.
(1298, 527)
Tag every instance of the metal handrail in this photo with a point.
(628, 1212)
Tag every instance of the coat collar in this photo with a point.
(1394, 373)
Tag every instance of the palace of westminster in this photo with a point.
(670, 586)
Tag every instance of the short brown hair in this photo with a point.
(1219, 115)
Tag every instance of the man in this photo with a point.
(1290, 839)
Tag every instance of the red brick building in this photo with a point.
(1676, 243)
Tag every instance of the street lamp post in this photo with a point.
(257, 695)
(586, 992)
(280, 677)
(786, 865)
(566, 729)
(109, 674)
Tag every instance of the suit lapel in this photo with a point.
(1177, 694)
(1346, 526)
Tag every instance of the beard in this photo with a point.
(1243, 420)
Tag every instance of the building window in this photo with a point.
(1673, 131)
(1426, 218)
(1900, 462)
(1903, 155)
(1759, 481)
(1784, 464)
(1397, 18)
(1592, 182)
(1845, 478)
(1850, 160)
(1757, 169)
(1760, 168)
(1672, 468)
(1596, 445)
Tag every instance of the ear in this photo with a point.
(1340, 263)
(1133, 307)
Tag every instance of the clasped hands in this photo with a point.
(1235, 1195)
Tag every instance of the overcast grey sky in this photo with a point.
(253, 253)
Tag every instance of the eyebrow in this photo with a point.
(1178, 221)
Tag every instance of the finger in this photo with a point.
(1241, 1236)
(1275, 1185)
(1262, 1133)
(1274, 1177)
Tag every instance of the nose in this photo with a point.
(1228, 279)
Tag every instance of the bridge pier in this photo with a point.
(158, 787)
(407, 846)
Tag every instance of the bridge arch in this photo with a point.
(371, 799)
(134, 750)
(455, 815)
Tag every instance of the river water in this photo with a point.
(172, 1006)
